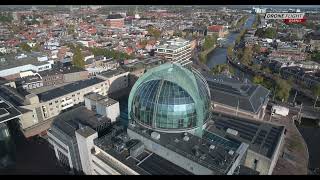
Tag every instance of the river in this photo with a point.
(310, 133)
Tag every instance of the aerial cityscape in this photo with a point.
(159, 90)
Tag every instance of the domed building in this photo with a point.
(170, 98)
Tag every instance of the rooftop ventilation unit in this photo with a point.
(186, 138)
(232, 131)
(212, 147)
(155, 135)
(231, 152)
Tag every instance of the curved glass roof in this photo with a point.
(170, 98)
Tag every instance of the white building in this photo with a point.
(175, 50)
(103, 105)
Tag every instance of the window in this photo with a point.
(50, 103)
(56, 101)
(255, 164)
(73, 95)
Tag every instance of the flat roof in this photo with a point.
(60, 70)
(107, 142)
(111, 73)
(69, 88)
(104, 100)
(262, 137)
(196, 149)
(73, 119)
(156, 165)
(11, 62)
(7, 111)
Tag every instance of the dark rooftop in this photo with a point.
(60, 70)
(111, 73)
(157, 165)
(196, 149)
(7, 111)
(69, 88)
(262, 137)
(114, 16)
(230, 92)
(74, 119)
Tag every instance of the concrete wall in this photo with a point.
(85, 145)
(277, 152)
(263, 164)
(240, 112)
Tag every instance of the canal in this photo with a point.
(309, 131)
(219, 55)
(311, 134)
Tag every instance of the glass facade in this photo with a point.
(170, 98)
(169, 107)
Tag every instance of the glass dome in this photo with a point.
(170, 98)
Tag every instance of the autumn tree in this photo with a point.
(78, 59)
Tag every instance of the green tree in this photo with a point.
(209, 42)
(154, 32)
(230, 53)
(256, 48)
(258, 79)
(36, 47)
(266, 33)
(78, 59)
(283, 89)
(222, 68)
(246, 58)
(316, 92)
(25, 47)
(47, 21)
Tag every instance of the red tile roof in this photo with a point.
(215, 28)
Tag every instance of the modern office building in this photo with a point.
(12, 66)
(172, 130)
(103, 105)
(39, 109)
(170, 98)
(232, 96)
(176, 50)
(62, 135)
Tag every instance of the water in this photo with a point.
(311, 134)
(219, 55)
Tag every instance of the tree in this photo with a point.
(222, 68)
(246, 58)
(256, 48)
(47, 21)
(78, 59)
(283, 89)
(209, 42)
(316, 92)
(266, 33)
(25, 47)
(258, 79)
(154, 32)
(230, 53)
(36, 47)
